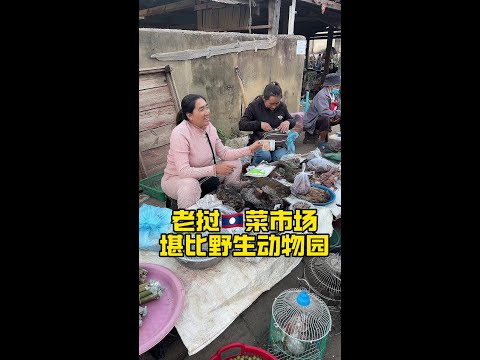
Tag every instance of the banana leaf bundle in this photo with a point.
(149, 291)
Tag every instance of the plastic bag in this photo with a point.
(301, 204)
(292, 135)
(153, 222)
(320, 164)
(336, 157)
(301, 183)
(208, 201)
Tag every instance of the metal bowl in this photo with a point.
(199, 262)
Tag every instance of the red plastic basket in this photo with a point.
(244, 350)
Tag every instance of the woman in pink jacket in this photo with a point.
(192, 158)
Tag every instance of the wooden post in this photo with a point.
(141, 166)
(273, 16)
(173, 88)
(326, 67)
(242, 90)
(307, 55)
(291, 17)
(199, 16)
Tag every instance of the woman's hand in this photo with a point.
(284, 126)
(255, 146)
(265, 126)
(224, 169)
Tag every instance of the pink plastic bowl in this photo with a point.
(162, 314)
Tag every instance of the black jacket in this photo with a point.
(256, 113)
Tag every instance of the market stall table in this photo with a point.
(216, 296)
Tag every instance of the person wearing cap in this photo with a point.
(323, 112)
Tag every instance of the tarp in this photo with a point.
(216, 296)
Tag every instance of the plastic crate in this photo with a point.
(244, 350)
(152, 187)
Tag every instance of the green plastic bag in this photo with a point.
(335, 157)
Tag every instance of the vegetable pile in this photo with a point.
(147, 291)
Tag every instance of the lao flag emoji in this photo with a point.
(232, 220)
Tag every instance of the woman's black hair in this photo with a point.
(272, 89)
(188, 105)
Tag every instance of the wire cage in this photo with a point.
(299, 326)
(323, 276)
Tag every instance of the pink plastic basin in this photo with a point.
(162, 314)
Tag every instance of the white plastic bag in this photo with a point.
(208, 201)
(320, 164)
(301, 183)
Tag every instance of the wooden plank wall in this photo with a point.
(156, 121)
(222, 18)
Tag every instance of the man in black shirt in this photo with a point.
(267, 113)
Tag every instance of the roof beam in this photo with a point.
(253, 27)
(162, 9)
(314, 18)
(324, 38)
(211, 5)
(329, 4)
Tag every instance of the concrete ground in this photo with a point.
(252, 326)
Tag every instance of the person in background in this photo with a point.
(191, 159)
(266, 113)
(323, 112)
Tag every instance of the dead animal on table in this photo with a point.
(264, 198)
(285, 170)
(329, 178)
(315, 195)
(299, 205)
(281, 190)
(230, 196)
